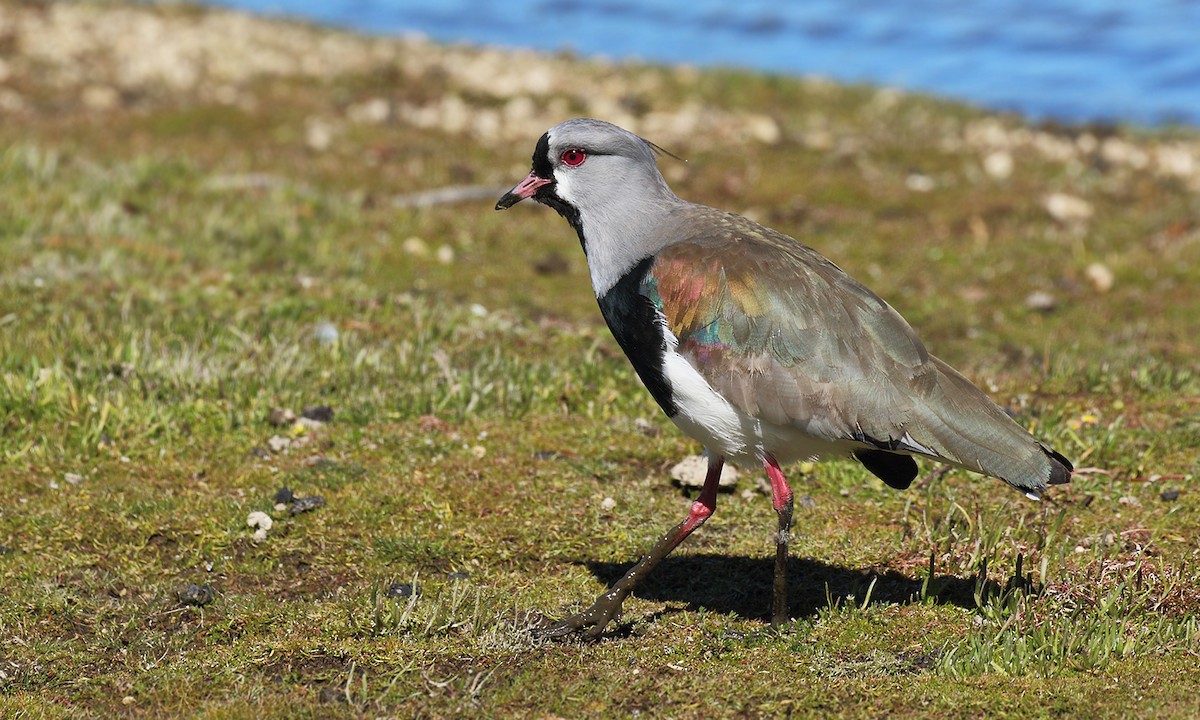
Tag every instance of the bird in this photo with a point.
(758, 347)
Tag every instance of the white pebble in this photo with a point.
(692, 470)
(1067, 208)
(101, 97)
(919, 183)
(415, 246)
(1119, 152)
(278, 444)
(325, 333)
(260, 520)
(374, 111)
(1041, 301)
(318, 134)
(764, 129)
(607, 504)
(1176, 160)
(998, 164)
(1100, 276)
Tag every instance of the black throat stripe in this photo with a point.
(546, 194)
(633, 320)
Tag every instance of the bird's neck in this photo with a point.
(616, 237)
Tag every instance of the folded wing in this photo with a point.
(788, 337)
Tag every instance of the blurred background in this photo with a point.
(1067, 60)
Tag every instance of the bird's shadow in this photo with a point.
(742, 585)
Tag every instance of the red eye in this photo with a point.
(574, 157)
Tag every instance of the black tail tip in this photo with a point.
(1060, 468)
(895, 470)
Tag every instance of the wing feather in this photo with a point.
(788, 337)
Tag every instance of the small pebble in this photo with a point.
(375, 111)
(1169, 495)
(998, 164)
(281, 417)
(691, 471)
(1099, 276)
(415, 246)
(278, 443)
(399, 590)
(807, 501)
(1067, 208)
(260, 536)
(284, 495)
(458, 575)
(318, 134)
(73, 478)
(919, 183)
(607, 504)
(305, 504)
(1041, 301)
(196, 595)
(320, 413)
(325, 333)
(304, 424)
(259, 519)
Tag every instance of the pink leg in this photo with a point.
(592, 621)
(705, 505)
(781, 498)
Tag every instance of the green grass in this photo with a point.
(169, 275)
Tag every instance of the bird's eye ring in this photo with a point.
(573, 157)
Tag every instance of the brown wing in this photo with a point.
(788, 337)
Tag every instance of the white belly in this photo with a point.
(725, 430)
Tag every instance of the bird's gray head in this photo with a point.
(604, 180)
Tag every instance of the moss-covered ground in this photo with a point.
(177, 270)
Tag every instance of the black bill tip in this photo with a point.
(509, 199)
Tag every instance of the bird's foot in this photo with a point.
(588, 624)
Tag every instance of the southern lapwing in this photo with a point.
(757, 346)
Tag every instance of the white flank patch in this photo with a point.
(705, 415)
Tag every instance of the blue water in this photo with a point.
(1071, 60)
